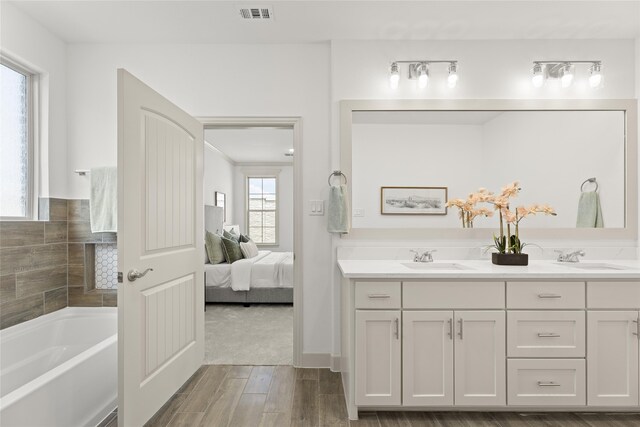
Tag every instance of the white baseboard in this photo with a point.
(321, 360)
(335, 362)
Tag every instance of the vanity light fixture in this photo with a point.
(419, 70)
(565, 72)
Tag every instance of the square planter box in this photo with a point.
(510, 259)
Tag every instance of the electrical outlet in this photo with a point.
(358, 212)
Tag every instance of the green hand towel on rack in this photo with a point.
(338, 210)
(589, 211)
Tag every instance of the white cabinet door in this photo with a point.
(377, 358)
(612, 358)
(427, 358)
(480, 360)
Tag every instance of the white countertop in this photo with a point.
(484, 269)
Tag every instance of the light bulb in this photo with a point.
(452, 80)
(595, 77)
(538, 76)
(423, 76)
(567, 75)
(394, 76)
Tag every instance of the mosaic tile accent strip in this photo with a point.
(106, 266)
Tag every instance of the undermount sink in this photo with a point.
(436, 266)
(593, 266)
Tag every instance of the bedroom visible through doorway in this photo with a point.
(249, 221)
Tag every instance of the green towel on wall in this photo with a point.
(589, 211)
(338, 210)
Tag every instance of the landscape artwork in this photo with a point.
(413, 200)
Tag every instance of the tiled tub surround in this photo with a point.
(42, 263)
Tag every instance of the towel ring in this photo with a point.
(586, 181)
(338, 174)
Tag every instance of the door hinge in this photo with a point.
(120, 277)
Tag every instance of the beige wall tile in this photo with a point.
(7, 288)
(15, 260)
(76, 275)
(21, 310)
(57, 209)
(79, 298)
(37, 281)
(55, 232)
(81, 232)
(76, 254)
(78, 210)
(55, 300)
(21, 233)
(110, 299)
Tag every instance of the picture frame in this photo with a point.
(413, 200)
(221, 200)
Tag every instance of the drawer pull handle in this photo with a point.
(548, 335)
(397, 324)
(378, 296)
(548, 384)
(461, 328)
(549, 296)
(450, 329)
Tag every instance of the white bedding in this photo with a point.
(267, 270)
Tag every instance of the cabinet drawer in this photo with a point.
(613, 295)
(546, 334)
(467, 295)
(377, 295)
(546, 382)
(543, 295)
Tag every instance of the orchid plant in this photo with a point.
(504, 243)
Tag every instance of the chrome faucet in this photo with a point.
(426, 256)
(569, 256)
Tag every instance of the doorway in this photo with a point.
(252, 186)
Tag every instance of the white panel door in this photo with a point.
(160, 315)
(480, 360)
(612, 358)
(427, 358)
(378, 363)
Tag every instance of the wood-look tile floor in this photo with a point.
(283, 396)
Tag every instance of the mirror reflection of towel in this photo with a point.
(589, 211)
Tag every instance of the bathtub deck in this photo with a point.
(281, 396)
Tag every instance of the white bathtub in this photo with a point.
(60, 369)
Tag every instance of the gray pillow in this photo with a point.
(244, 238)
(231, 248)
(228, 235)
(213, 243)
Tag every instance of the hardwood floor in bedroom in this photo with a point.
(283, 396)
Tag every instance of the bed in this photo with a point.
(267, 278)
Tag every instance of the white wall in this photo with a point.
(285, 201)
(26, 41)
(219, 80)
(218, 176)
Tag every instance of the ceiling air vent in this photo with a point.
(252, 13)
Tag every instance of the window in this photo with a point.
(16, 142)
(262, 196)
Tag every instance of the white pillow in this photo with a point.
(249, 249)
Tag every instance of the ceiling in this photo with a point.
(252, 145)
(300, 21)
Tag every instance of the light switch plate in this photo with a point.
(358, 212)
(316, 207)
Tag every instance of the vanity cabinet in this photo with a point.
(453, 344)
(377, 357)
(438, 343)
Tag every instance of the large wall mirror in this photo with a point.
(405, 157)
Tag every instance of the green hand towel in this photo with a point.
(589, 211)
(338, 210)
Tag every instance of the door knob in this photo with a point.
(134, 274)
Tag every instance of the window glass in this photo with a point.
(262, 202)
(14, 143)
